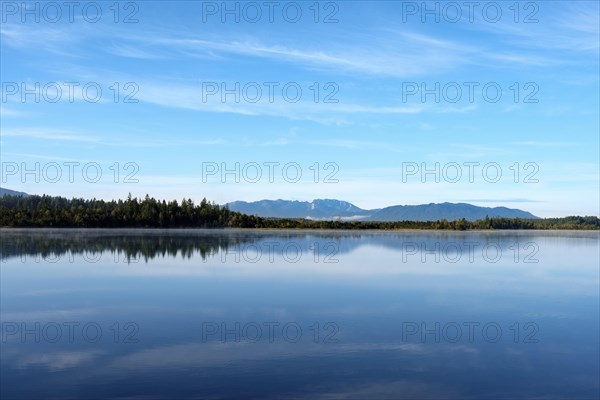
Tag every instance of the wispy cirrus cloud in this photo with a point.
(104, 140)
(6, 112)
(191, 97)
(48, 134)
(502, 201)
(540, 143)
(572, 27)
(394, 53)
(54, 39)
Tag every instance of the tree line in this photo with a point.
(60, 212)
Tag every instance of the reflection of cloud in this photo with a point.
(400, 389)
(207, 360)
(82, 315)
(209, 354)
(59, 360)
(48, 315)
(216, 354)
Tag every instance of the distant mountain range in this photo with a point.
(449, 211)
(316, 209)
(325, 209)
(8, 192)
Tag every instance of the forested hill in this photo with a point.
(8, 192)
(47, 211)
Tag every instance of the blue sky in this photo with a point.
(371, 124)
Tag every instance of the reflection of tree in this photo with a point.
(148, 244)
(144, 244)
(131, 246)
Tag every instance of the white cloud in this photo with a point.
(48, 134)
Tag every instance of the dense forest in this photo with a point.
(60, 212)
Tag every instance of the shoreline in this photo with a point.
(301, 230)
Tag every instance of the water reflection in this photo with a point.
(237, 314)
(148, 244)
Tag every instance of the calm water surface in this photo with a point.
(149, 314)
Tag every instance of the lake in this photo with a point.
(231, 314)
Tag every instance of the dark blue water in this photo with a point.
(299, 315)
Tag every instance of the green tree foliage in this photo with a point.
(59, 212)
